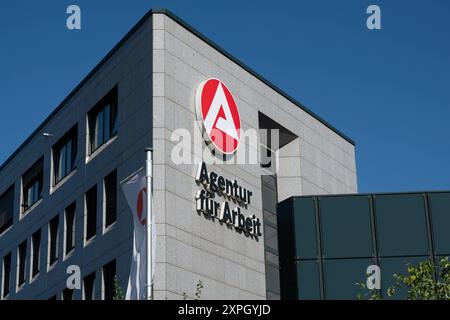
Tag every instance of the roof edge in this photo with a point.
(251, 71)
(198, 34)
(367, 194)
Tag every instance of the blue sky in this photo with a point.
(387, 89)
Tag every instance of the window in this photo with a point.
(390, 266)
(21, 256)
(346, 227)
(109, 274)
(88, 286)
(32, 182)
(35, 253)
(297, 219)
(6, 274)
(6, 209)
(64, 154)
(91, 213)
(67, 294)
(70, 228)
(111, 198)
(54, 239)
(401, 224)
(103, 120)
(340, 276)
(301, 281)
(440, 212)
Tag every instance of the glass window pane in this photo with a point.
(88, 286)
(113, 120)
(305, 228)
(111, 198)
(99, 130)
(288, 282)
(54, 226)
(341, 275)
(109, 273)
(300, 281)
(308, 280)
(26, 198)
(6, 209)
(70, 228)
(440, 217)
(6, 274)
(35, 192)
(91, 214)
(36, 241)
(346, 226)
(62, 163)
(32, 182)
(390, 266)
(297, 237)
(286, 241)
(68, 158)
(67, 294)
(40, 185)
(401, 224)
(107, 123)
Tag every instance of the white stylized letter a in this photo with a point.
(224, 124)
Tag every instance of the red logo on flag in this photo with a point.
(217, 110)
(140, 206)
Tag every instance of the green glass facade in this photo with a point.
(327, 242)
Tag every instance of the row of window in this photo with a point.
(90, 223)
(88, 290)
(102, 124)
(364, 226)
(327, 242)
(108, 273)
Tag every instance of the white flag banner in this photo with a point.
(135, 192)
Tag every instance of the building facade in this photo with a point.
(61, 203)
(327, 242)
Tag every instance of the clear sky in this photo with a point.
(387, 89)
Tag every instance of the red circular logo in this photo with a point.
(140, 206)
(218, 112)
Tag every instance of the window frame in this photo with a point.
(6, 276)
(53, 260)
(89, 216)
(90, 277)
(107, 223)
(9, 203)
(31, 179)
(384, 222)
(110, 100)
(33, 263)
(335, 240)
(64, 292)
(21, 264)
(71, 209)
(106, 286)
(69, 137)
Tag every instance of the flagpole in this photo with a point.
(149, 178)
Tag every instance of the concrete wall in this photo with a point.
(192, 248)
